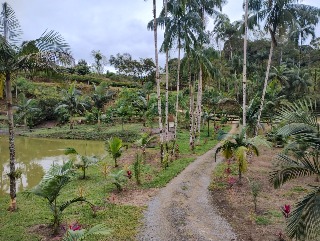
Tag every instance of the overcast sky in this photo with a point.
(111, 26)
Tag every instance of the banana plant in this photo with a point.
(50, 188)
(81, 162)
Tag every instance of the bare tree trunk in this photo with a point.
(264, 87)
(244, 74)
(157, 77)
(12, 173)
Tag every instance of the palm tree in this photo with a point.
(25, 108)
(277, 16)
(300, 159)
(73, 102)
(237, 146)
(114, 147)
(80, 161)
(155, 34)
(50, 188)
(244, 74)
(52, 51)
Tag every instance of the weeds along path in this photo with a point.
(182, 211)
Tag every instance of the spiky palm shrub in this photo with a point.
(114, 147)
(80, 161)
(237, 146)
(144, 141)
(300, 158)
(50, 188)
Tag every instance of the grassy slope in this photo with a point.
(123, 220)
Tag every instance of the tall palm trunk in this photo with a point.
(244, 75)
(12, 173)
(12, 149)
(157, 76)
(199, 104)
(167, 85)
(178, 89)
(265, 84)
(191, 110)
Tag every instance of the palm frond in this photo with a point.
(292, 169)
(304, 221)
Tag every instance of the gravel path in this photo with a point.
(182, 210)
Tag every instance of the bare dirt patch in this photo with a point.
(236, 203)
(137, 197)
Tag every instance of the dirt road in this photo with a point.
(182, 211)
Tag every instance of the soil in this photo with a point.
(236, 203)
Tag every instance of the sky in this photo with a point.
(111, 26)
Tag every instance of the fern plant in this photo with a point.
(300, 158)
(50, 188)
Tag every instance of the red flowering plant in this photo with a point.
(286, 210)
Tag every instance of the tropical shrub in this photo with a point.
(118, 179)
(114, 147)
(50, 188)
(81, 162)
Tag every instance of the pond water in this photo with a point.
(36, 155)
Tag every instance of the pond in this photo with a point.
(35, 156)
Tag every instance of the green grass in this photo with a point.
(123, 220)
(262, 220)
(169, 173)
(89, 132)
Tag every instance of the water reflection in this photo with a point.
(36, 155)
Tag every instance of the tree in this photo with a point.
(82, 67)
(237, 146)
(277, 16)
(25, 108)
(73, 102)
(244, 73)
(114, 147)
(52, 51)
(99, 61)
(300, 123)
(155, 35)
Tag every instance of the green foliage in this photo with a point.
(118, 179)
(114, 147)
(237, 146)
(80, 161)
(300, 124)
(255, 190)
(137, 167)
(50, 187)
(82, 234)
